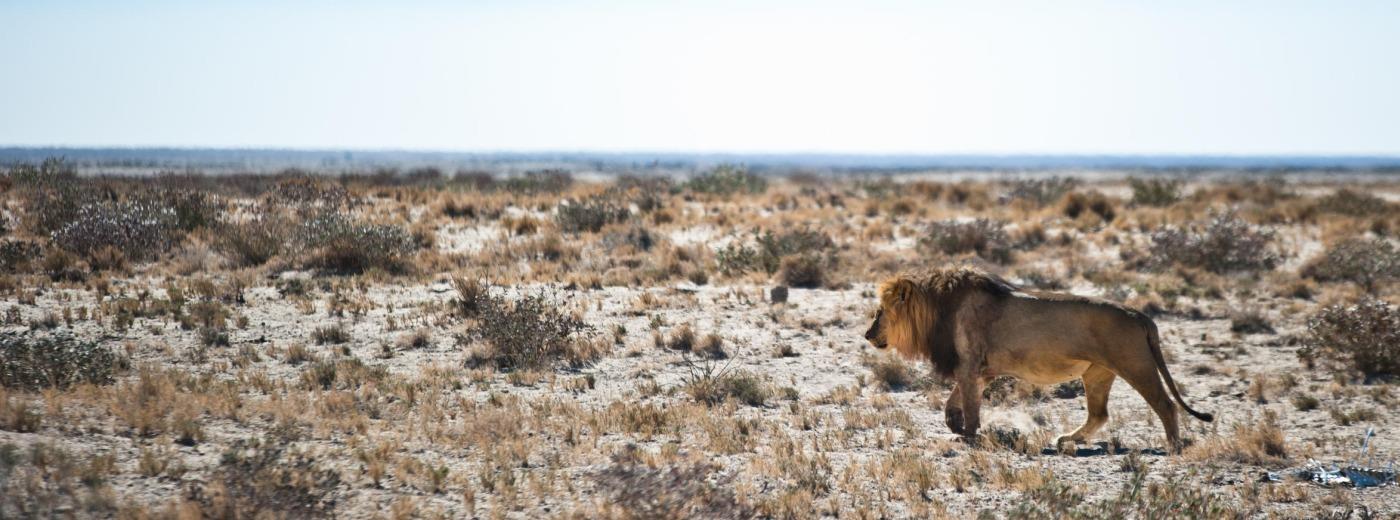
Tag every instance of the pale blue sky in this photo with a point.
(1195, 77)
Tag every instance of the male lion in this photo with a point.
(974, 326)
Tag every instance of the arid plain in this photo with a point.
(428, 344)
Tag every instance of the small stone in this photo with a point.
(779, 294)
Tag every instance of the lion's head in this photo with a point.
(916, 312)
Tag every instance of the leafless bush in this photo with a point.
(1225, 244)
(984, 237)
(301, 190)
(51, 192)
(141, 230)
(1365, 262)
(1364, 334)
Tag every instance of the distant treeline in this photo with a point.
(229, 160)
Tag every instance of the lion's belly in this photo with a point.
(1039, 370)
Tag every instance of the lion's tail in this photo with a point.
(1155, 343)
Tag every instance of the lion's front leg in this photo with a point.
(952, 411)
(971, 394)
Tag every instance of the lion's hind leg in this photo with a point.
(1097, 382)
(1145, 380)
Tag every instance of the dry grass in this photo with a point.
(447, 371)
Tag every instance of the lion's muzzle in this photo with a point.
(875, 336)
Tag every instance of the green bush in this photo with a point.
(531, 332)
(538, 181)
(768, 251)
(1353, 203)
(590, 215)
(1155, 192)
(727, 179)
(33, 362)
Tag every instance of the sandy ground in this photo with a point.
(840, 415)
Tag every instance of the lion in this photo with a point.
(973, 326)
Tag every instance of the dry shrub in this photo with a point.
(1250, 321)
(299, 189)
(1260, 443)
(19, 415)
(892, 373)
(17, 255)
(528, 333)
(590, 215)
(141, 231)
(330, 335)
(805, 270)
(31, 362)
(252, 242)
(538, 182)
(1223, 245)
(51, 192)
(1364, 335)
(714, 385)
(337, 244)
(984, 237)
(636, 490)
(1076, 204)
(1365, 262)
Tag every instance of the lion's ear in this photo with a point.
(899, 291)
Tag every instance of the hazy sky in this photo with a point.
(1316, 77)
